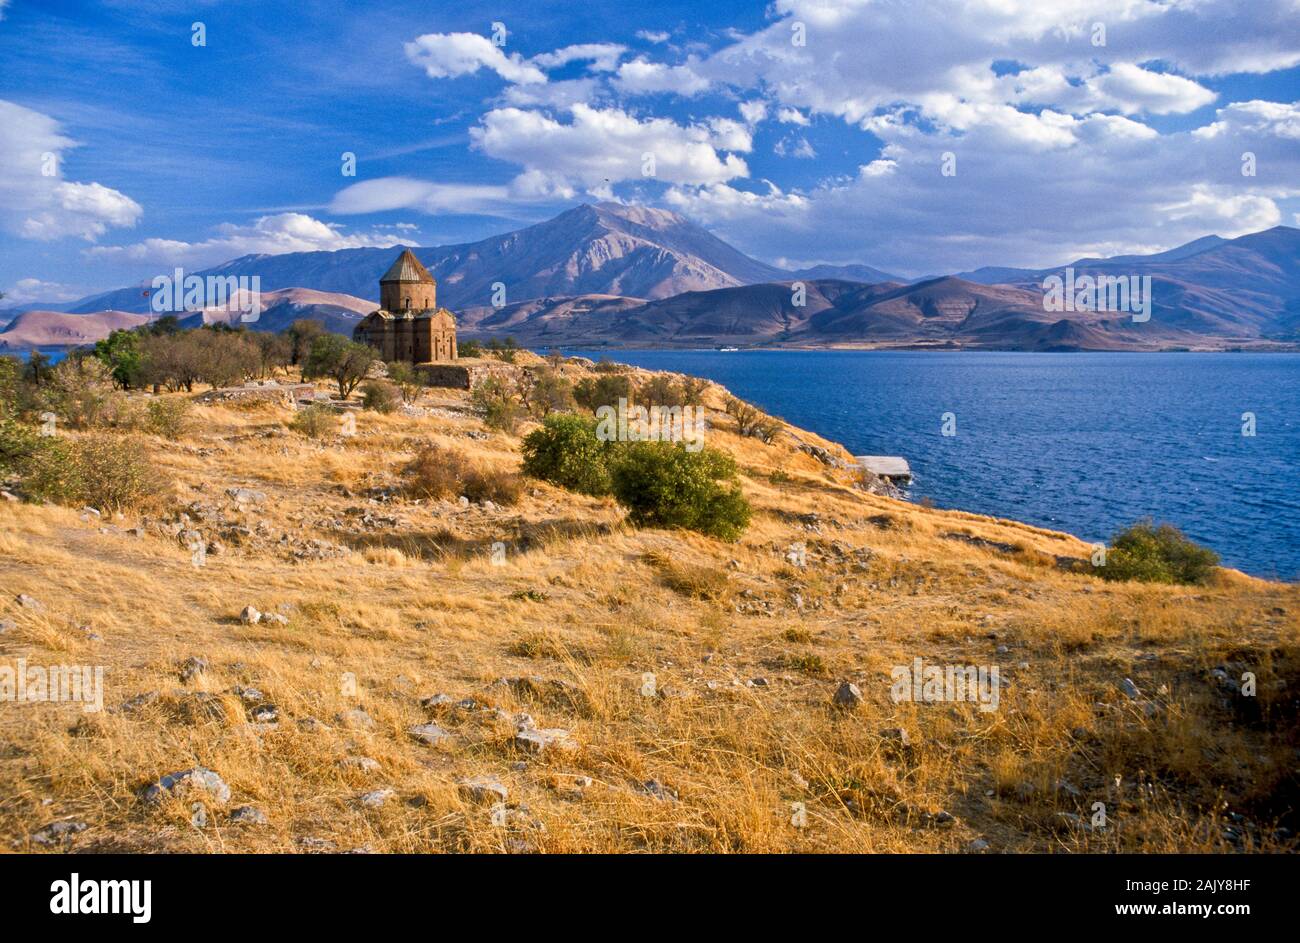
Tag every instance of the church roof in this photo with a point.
(407, 268)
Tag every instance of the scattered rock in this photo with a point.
(27, 602)
(7, 625)
(757, 683)
(188, 780)
(483, 789)
(246, 495)
(436, 700)
(376, 798)
(537, 741)
(657, 790)
(896, 735)
(250, 616)
(847, 694)
(431, 734)
(58, 832)
(248, 815)
(265, 714)
(363, 763)
(192, 668)
(978, 845)
(1130, 689)
(356, 719)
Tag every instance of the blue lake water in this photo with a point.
(1084, 443)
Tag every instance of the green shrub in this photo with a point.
(469, 349)
(566, 452)
(315, 421)
(380, 396)
(11, 375)
(663, 485)
(1157, 554)
(18, 443)
(167, 417)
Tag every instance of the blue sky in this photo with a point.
(166, 153)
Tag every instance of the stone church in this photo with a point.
(409, 325)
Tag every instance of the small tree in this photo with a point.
(302, 333)
(227, 357)
(499, 403)
(276, 352)
(662, 390)
(549, 393)
(345, 362)
(469, 348)
(593, 393)
(407, 381)
(121, 353)
(38, 368)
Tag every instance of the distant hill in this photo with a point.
(59, 329)
(941, 312)
(338, 313)
(633, 275)
(605, 248)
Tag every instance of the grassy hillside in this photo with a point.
(733, 745)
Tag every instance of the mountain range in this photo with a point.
(611, 274)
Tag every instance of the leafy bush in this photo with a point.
(566, 452)
(18, 443)
(663, 485)
(469, 349)
(167, 417)
(1157, 554)
(380, 396)
(315, 421)
(11, 372)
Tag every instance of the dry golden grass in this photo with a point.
(413, 604)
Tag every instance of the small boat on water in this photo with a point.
(728, 350)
